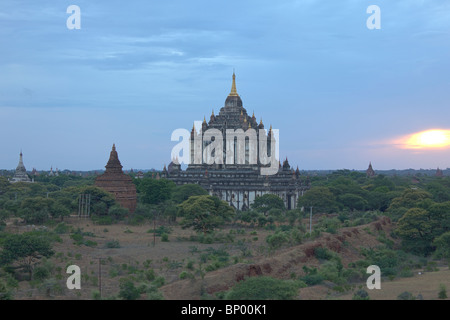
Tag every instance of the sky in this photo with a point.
(342, 95)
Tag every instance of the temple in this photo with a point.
(21, 173)
(237, 181)
(439, 173)
(370, 172)
(118, 183)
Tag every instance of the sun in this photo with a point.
(429, 139)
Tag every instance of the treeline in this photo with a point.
(419, 206)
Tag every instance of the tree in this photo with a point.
(182, 193)
(128, 291)
(353, 201)
(416, 230)
(442, 244)
(118, 213)
(25, 249)
(4, 184)
(320, 198)
(205, 213)
(410, 198)
(101, 200)
(267, 202)
(155, 191)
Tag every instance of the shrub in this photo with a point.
(263, 288)
(95, 294)
(164, 237)
(128, 291)
(277, 239)
(61, 228)
(159, 281)
(405, 296)
(442, 292)
(41, 272)
(102, 220)
(361, 295)
(322, 253)
(113, 244)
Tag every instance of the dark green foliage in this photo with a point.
(406, 296)
(442, 244)
(320, 198)
(322, 253)
(113, 244)
(155, 191)
(78, 237)
(61, 228)
(205, 213)
(361, 295)
(128, 291)
(442, 292)
(118, 213)
(277, 239)
(25, 249)
(182, 193)
(263, 288)
(311, 277)
(160, 230)
(268, 202)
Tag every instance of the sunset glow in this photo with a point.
(429, 139)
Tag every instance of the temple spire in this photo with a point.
(233, 92)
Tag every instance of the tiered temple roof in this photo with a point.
(21, 173)
(238, 184)
(370, 172)
(116, 182)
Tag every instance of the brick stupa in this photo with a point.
(118, 183)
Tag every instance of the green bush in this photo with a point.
(405, 296)
(41, 272)
(159, 281)
(322, 253)
(113, 244)
(263, 288)
(61, 228)
(361, 295)
(102, 220)
(442, 292)
(277, 239)
(128, 291)
(164, 237)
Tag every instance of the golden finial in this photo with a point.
(260, 122)
(245, 119)
(242, 112)
(212, 113)
(233, 87)
(249, 125)
(204, 119)
(253, 116)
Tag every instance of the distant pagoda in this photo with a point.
(439, 173)
(370, 172)
(118, 183)
(21, 173)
